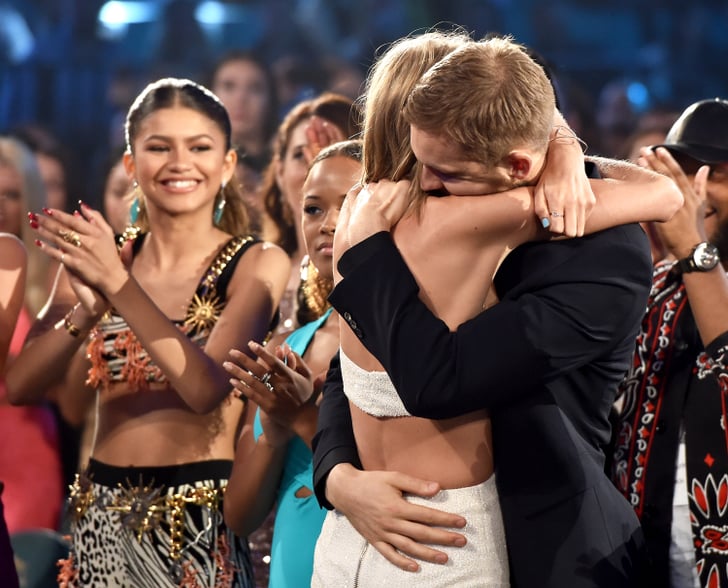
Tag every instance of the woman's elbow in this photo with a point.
(239, 519)
(233, 519)
(203, 406)
(204, 394)
(16, 393)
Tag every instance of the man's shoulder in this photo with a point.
(622, 236)
(629, 233)
(624, 247)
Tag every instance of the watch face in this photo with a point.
(706, 256)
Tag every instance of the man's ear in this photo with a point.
(520, 165)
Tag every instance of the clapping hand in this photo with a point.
(687, 227)
(281, 384)
(84, 244)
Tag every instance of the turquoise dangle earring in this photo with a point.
(132, 230)
(135, 206)
(220, 206)
(134, 211)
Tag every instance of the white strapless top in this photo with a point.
(372, 392)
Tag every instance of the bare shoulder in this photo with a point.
(12, 250)
(265, 252)
(264, 262)
(268, 259)
(261, 255)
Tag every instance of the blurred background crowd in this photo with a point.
(71, 67)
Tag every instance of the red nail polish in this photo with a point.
(76, 213)
(48, 211)
(32, 216)
(38, 243)
(34, 224)
(82, 204)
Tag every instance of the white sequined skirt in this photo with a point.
(344, 559)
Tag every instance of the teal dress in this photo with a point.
(298, 520)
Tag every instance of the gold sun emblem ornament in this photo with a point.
(203, 312)
(140, 508)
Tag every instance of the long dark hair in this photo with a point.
(170, 92)
(271, 117)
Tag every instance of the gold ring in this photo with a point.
(70, 237)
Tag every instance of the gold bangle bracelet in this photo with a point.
(67, 323)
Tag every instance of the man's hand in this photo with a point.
(376, 207)
(374, 504)
(687, 227)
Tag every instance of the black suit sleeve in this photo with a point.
(592, 292)
(334, 440)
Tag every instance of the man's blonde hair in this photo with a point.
(486, 97)
(386, 150)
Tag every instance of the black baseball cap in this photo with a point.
(701, 132)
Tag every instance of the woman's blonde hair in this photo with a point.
(386, 151)
(17, 156)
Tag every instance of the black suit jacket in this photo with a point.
(546, 361)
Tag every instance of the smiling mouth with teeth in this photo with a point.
(180, 183)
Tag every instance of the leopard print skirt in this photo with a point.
(154, 527)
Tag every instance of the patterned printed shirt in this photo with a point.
(676, 384)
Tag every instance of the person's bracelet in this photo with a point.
(67, 322)
(566, 133)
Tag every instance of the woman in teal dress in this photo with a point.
(273, 457)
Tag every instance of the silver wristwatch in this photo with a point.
(703, 258)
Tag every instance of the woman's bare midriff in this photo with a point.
(453, 452)
(155, 427)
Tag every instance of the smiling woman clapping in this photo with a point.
(158, 312)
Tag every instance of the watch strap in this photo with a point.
(689, 264)
(685, 265)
